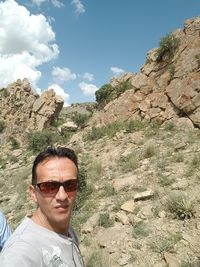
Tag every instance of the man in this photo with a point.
(5, 231)
(46, 238)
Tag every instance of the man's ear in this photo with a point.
(32, 193)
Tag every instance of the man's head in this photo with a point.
(54, 187)
(52, 152)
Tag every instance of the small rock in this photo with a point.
(161, 214)
(128, 206)
(119, 184)
(171, 260)
(121, 217)
(144, 195)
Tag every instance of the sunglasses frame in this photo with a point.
(49, 186)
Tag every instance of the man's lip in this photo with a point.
(62, 207)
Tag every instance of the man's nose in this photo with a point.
(61, 194)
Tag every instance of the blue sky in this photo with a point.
(76, 46)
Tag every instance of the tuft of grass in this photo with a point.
(166, 244)
(2, 126)
(140, 230)
(149, 150)
(181, 206)
(165, 180)
(95, 170)
(111, 129)
(97, 259)
(129, 162)
(105, 221)
(167, 48)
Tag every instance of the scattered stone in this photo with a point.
(171, 260)
(124, 259)
(121, 217)
(121, 183)
(90, 224)
(128, 206)
(144, 195)
(161, 214)
(145, 212)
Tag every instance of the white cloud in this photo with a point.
(88, 76)
(61, 75)
(61, 92)
(57, 3)
(79, 7)
(24, 46)
(116, 70)
(88, 89)
(38, 2)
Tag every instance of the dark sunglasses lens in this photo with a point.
(70, 185)
(49, 188)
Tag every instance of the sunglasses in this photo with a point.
(51, 188)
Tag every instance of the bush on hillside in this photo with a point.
(80, 119)
(108, 93)
(40, 140)
(3, 92)
(2, 125)
(168, 46)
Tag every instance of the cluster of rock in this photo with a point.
(164, 90)
(22, 109)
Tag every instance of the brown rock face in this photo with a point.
(23, 110)
(163, 90)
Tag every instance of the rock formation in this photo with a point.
(24, 110)
(163, 90)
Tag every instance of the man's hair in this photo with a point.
(53, 152)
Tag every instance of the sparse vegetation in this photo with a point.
(105, 221)
(2, 126)
(80, 119)
(97, 259)
(181, 206)
(129, 162)
(41, 139)
(107, 92)
(166, 244)
(140, 230)
(14, 143)
(167, 48)
(111, 129)
(149, 150)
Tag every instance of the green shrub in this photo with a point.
(107, 92)
(96, 259)
(111, 129)
(140, 230)
(80, 119)
(105, 221)
(168, 46)
(2, 126)
(40, 140)
(103, 95)
(3, 93)
(129, 162)
(84, 191)
(181, 205)
(167, 243)
(149, 150)
(14, 143)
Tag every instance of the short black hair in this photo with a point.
(52, 152)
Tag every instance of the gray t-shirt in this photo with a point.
(32, 245)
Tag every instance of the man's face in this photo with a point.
(55, 211)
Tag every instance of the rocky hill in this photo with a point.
(140, 206)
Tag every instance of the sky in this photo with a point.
(77, 46)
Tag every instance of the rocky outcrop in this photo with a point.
(23, 110)
(163, 90)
